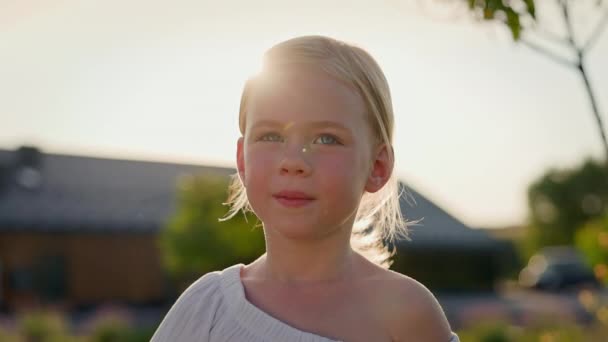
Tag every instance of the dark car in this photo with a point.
(557, 268)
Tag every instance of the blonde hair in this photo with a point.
(379, 220)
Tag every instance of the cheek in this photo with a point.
(258, 166)
(256, 180)
(343, 173)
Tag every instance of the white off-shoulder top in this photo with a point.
(214, 309)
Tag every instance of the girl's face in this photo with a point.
(307, 154)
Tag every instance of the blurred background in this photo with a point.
(118, 127)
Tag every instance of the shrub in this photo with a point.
(40, 326)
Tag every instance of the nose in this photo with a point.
(294, 161)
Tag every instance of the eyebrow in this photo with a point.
(313, 124)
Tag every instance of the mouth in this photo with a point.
(293, 199)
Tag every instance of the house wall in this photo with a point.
(79, 268)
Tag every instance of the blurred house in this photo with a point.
(79, 231)
(445, 254)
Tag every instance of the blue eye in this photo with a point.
(271, 137)
(326, 139)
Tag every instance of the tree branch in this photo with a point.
(566, 14)
(594, 106)
(551, 55)
(596, 32)
(551, 36)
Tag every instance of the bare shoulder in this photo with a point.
(409, 309)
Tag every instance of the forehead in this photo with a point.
(304, 94)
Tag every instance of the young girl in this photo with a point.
(315, 164)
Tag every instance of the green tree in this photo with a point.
(563, 200)
(524, 22)
(196, 241)
(592, 241)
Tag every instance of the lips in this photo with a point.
(293, 199)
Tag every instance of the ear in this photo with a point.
(240, 159)
(381, 168)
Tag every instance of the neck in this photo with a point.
(294, 261)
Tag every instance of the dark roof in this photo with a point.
(62, 192)
(436, 226)
(55, 192)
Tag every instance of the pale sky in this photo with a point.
(478, 118)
